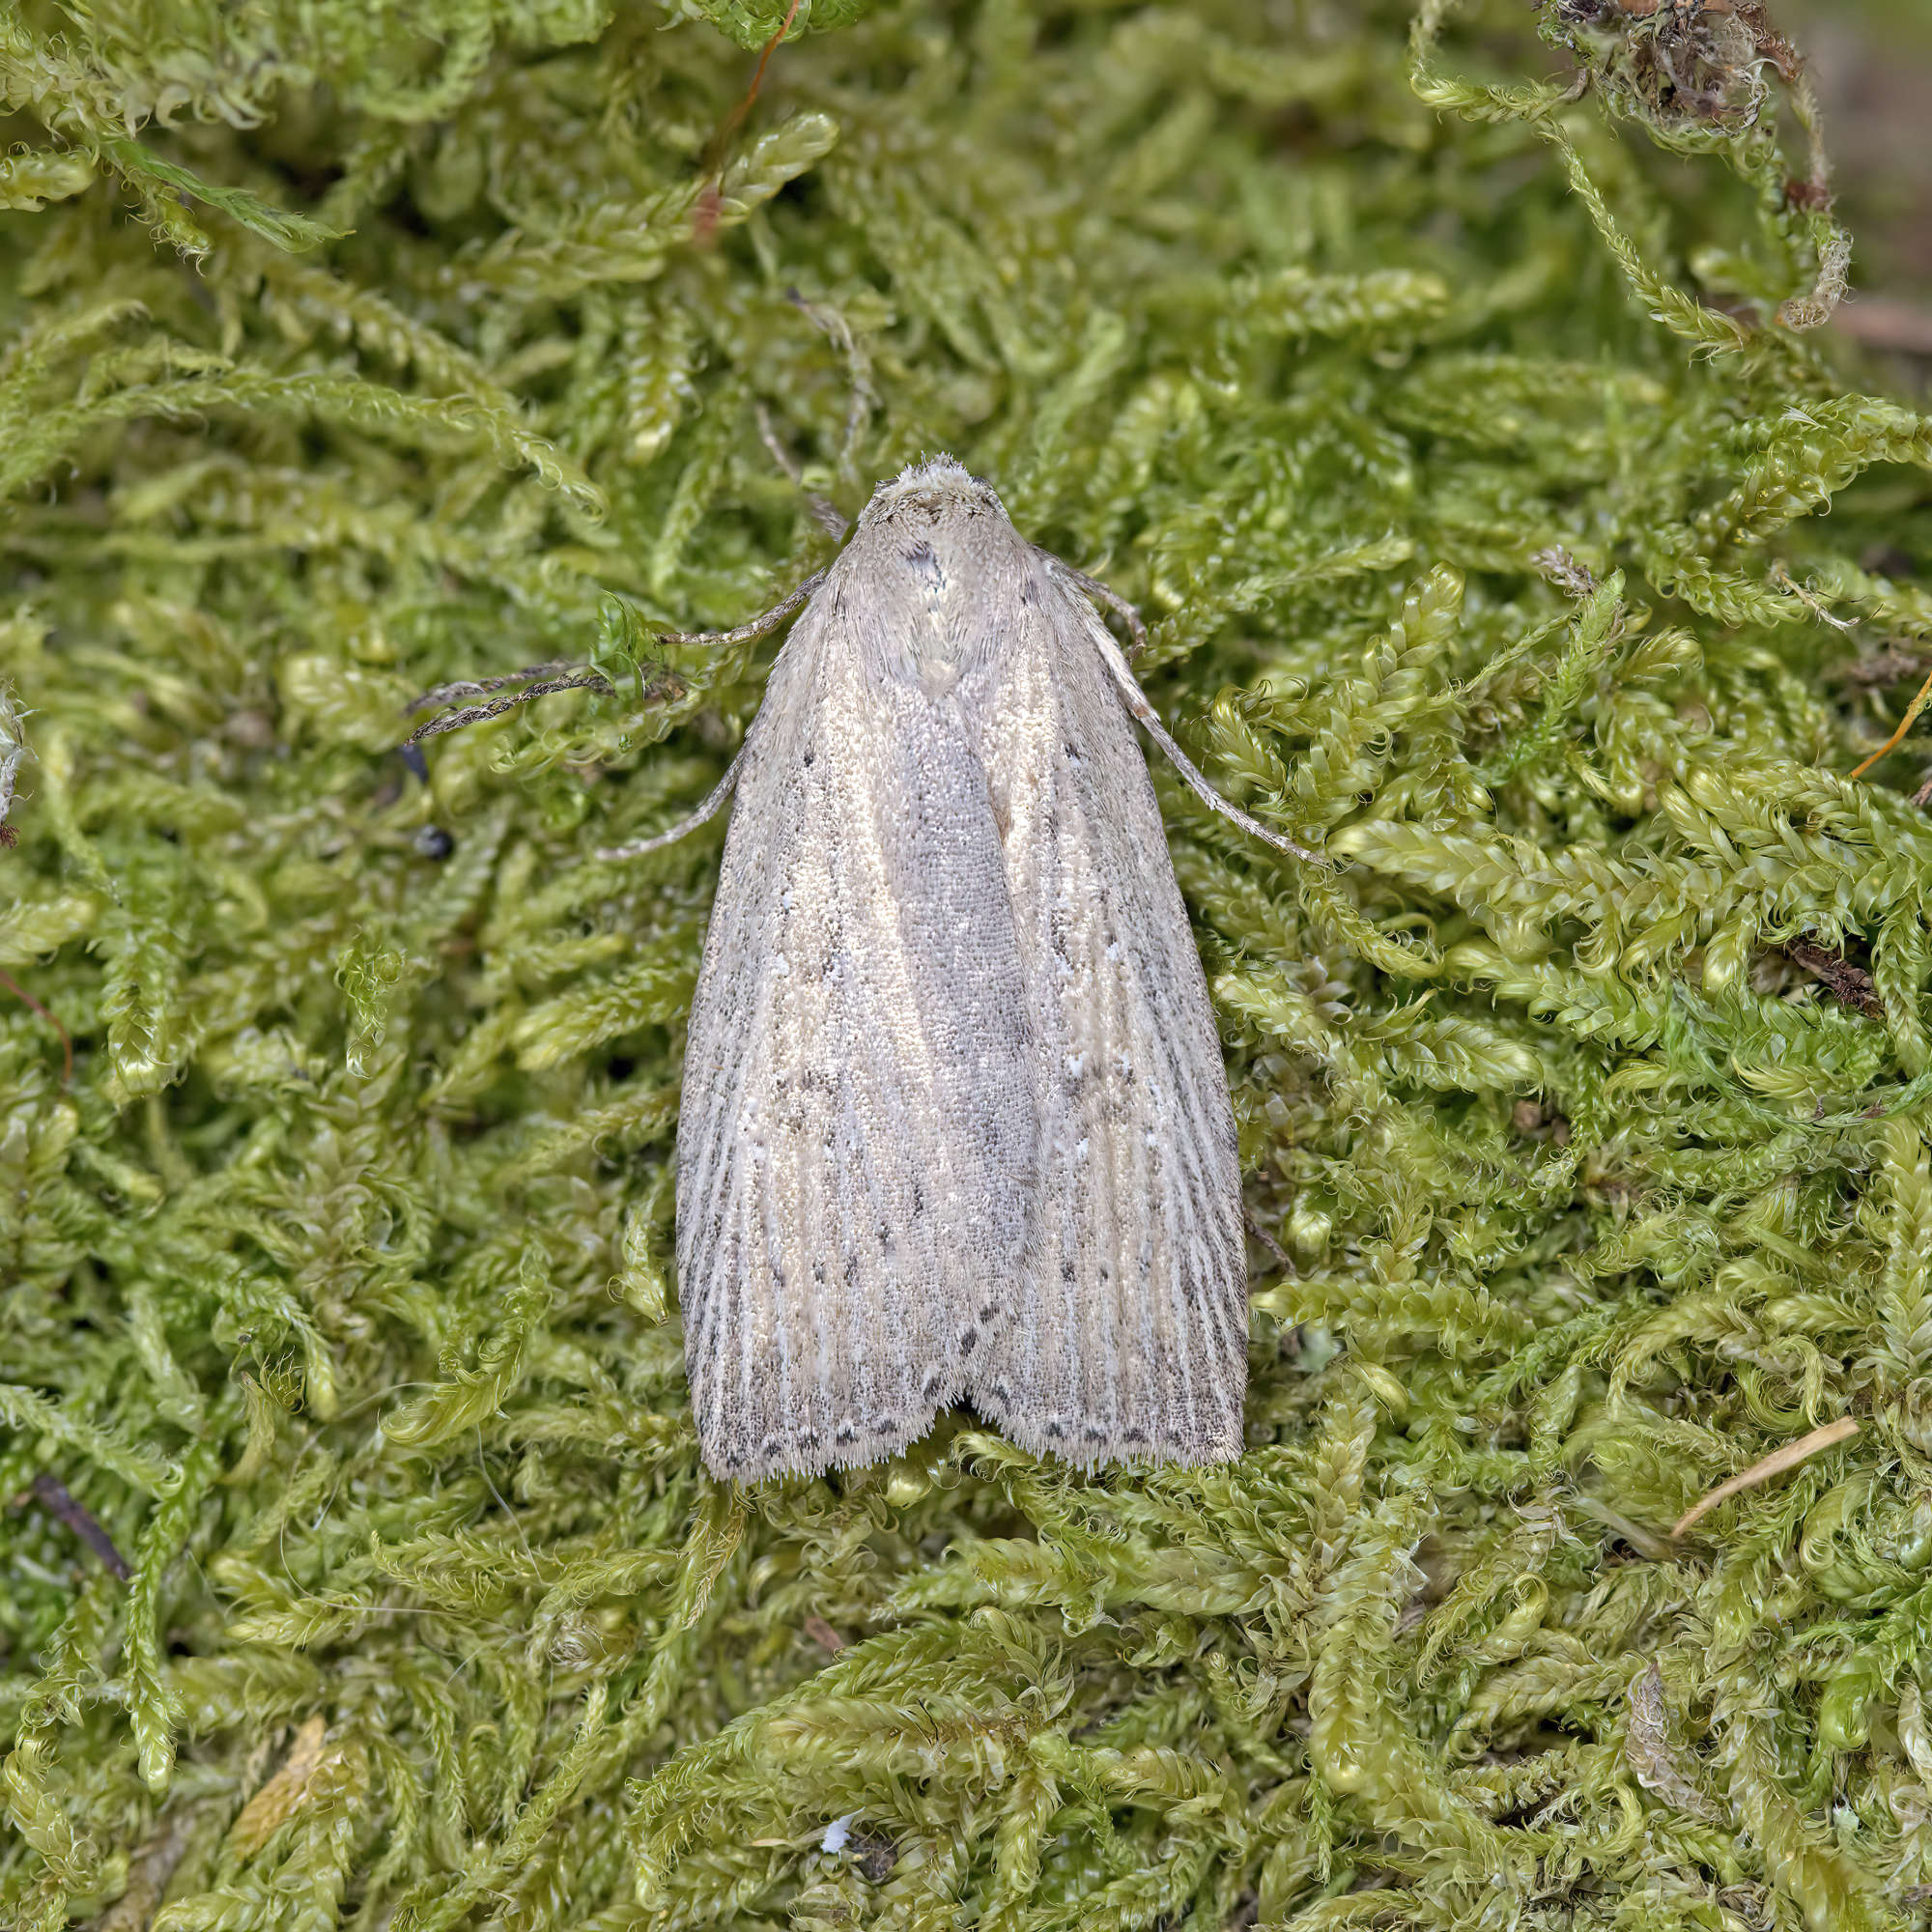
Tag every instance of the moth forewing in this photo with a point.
(1127, 1330)
(856, 1126)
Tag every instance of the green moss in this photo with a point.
(1462, 442)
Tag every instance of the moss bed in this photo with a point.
(1449, 394)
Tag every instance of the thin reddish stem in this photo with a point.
(707, 203)
(14, 985)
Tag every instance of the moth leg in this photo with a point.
(1136, 701)
(1103, 594)
(744, 633)
(720, 792)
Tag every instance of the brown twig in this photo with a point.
(822, 1634)
(1763, 1470)
(1850, 985)
(1268, 1241)
(52, 1495)
(1883, 322)
(1905, 723)
(1887, 667)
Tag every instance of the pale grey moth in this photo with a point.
(955, 1124)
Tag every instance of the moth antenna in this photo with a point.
(1136, 701)
(476, 714)
(550, 680)
(720, 792)
(447, 694)
(825, 513)
(756, 626)
(858, 367)
(1105, 595)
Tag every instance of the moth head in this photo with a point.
(940, 486)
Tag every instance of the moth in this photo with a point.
(956, 1126)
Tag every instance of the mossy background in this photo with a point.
(355, 349)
